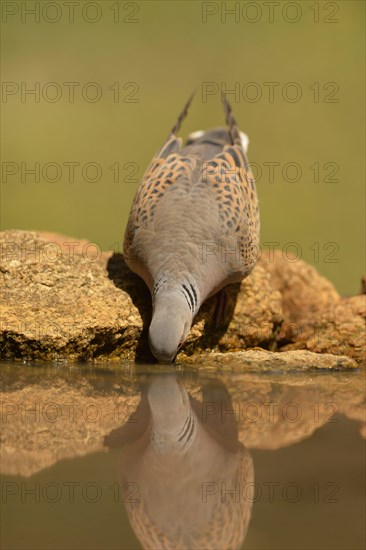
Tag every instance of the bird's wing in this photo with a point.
(166, 168)
(230, 177)
(162, 174)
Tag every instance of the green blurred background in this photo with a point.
(167, 52)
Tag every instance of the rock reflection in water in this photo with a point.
(183, 470)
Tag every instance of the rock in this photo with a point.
(339, 329)
(304, 292)
(267, 361)
(70, 245)
(64, 299)
(316, 317)
(57, 305)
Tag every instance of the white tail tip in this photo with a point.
(244, 141)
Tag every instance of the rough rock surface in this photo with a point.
(315, 316)
(339, 329)
(64, 301)
(62, 298)
(287, 361)
(304, 292)
(56, 304)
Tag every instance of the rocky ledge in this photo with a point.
(63, 299)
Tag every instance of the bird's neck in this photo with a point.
(167, 289)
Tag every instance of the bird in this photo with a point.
(186, 480)
(193, 227)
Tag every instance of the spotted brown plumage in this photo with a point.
(193, 226)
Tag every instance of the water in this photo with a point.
(129, 457)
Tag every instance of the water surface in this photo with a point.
(129, 457)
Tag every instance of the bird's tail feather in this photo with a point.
(234, 131)
(182, 116)
(236, 136)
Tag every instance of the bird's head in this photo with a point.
(169, 328)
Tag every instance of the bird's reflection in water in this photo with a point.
(190, 479)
